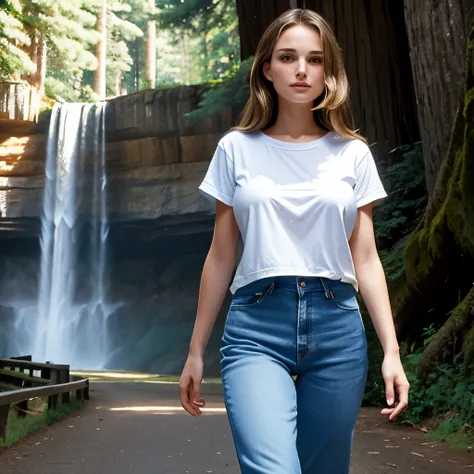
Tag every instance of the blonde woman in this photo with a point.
(298, 186)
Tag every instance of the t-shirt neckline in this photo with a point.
(295, 145)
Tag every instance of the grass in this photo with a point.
(18, 427)
(457, 437)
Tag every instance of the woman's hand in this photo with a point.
(396, 386)
(190, 385)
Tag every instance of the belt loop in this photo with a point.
(326, 294)
(270, 289)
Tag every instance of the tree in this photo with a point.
(13, 59)
(121, 33)
(151, 48)
(127, 57)
(27, 26)
(59, 35)
(374, 43)
(208, 33)
(254, 18)
(101, 52)
(440, 254)
(437, 39)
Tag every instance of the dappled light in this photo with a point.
(166, 410)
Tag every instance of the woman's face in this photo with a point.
(296, 67)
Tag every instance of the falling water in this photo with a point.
(72, 311)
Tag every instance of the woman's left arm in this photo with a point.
(373, 288)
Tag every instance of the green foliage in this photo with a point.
(398, 216)
(68, 28)
(197, 42)
(176, 13)
(126, 26)
(18, 428)
(233, 90)
(447, 398)
(62, 92)
(12, 39)
(375, 388)
(204, 38)
(405, 185)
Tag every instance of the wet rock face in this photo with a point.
(156, 159)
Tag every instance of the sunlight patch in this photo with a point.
(165, 409)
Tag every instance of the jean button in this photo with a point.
(303, 284)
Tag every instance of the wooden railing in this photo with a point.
(54, 380)
(19, 101)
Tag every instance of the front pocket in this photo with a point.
(246, 300)
(345, 299)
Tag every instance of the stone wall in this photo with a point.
(156, 158)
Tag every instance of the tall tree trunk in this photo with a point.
(136, 65)
(439, 256)
(118, 83)
(151, 49)
(373, 38)
(101, 53)
(254, 18)
(374, 42)
(437, 34)
(41, 58)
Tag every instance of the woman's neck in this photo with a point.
(295, 122)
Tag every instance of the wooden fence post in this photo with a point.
(4, 411)
(64, 378)
(53, 380)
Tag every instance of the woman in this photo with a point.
(299, 187)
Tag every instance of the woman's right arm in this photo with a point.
(215, 279)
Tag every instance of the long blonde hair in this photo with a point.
(331, 110)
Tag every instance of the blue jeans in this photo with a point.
(308, 327)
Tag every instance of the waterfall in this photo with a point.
(71, 319)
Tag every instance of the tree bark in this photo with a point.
(254, 18)
(439, 256)
(437, 33)
(101, 53)
(151, 49)
(118, 83)
(374, 43)
(41, 66)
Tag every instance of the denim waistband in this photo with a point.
(294, 283)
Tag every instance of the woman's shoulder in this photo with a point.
(351, 146)
(236, 137)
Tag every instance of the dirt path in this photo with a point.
(139, 428)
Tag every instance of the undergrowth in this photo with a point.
(18, 427)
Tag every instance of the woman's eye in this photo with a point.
(316, 60)
(286, 58)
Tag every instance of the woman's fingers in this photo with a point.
(402, 399)
(402, 403)
(185, 395)
(196, 396)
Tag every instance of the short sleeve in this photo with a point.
(368, 187)
(219, 182)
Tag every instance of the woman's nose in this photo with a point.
(301, 68)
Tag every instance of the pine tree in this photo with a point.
(13, 59)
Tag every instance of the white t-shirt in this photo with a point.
(295, 203)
